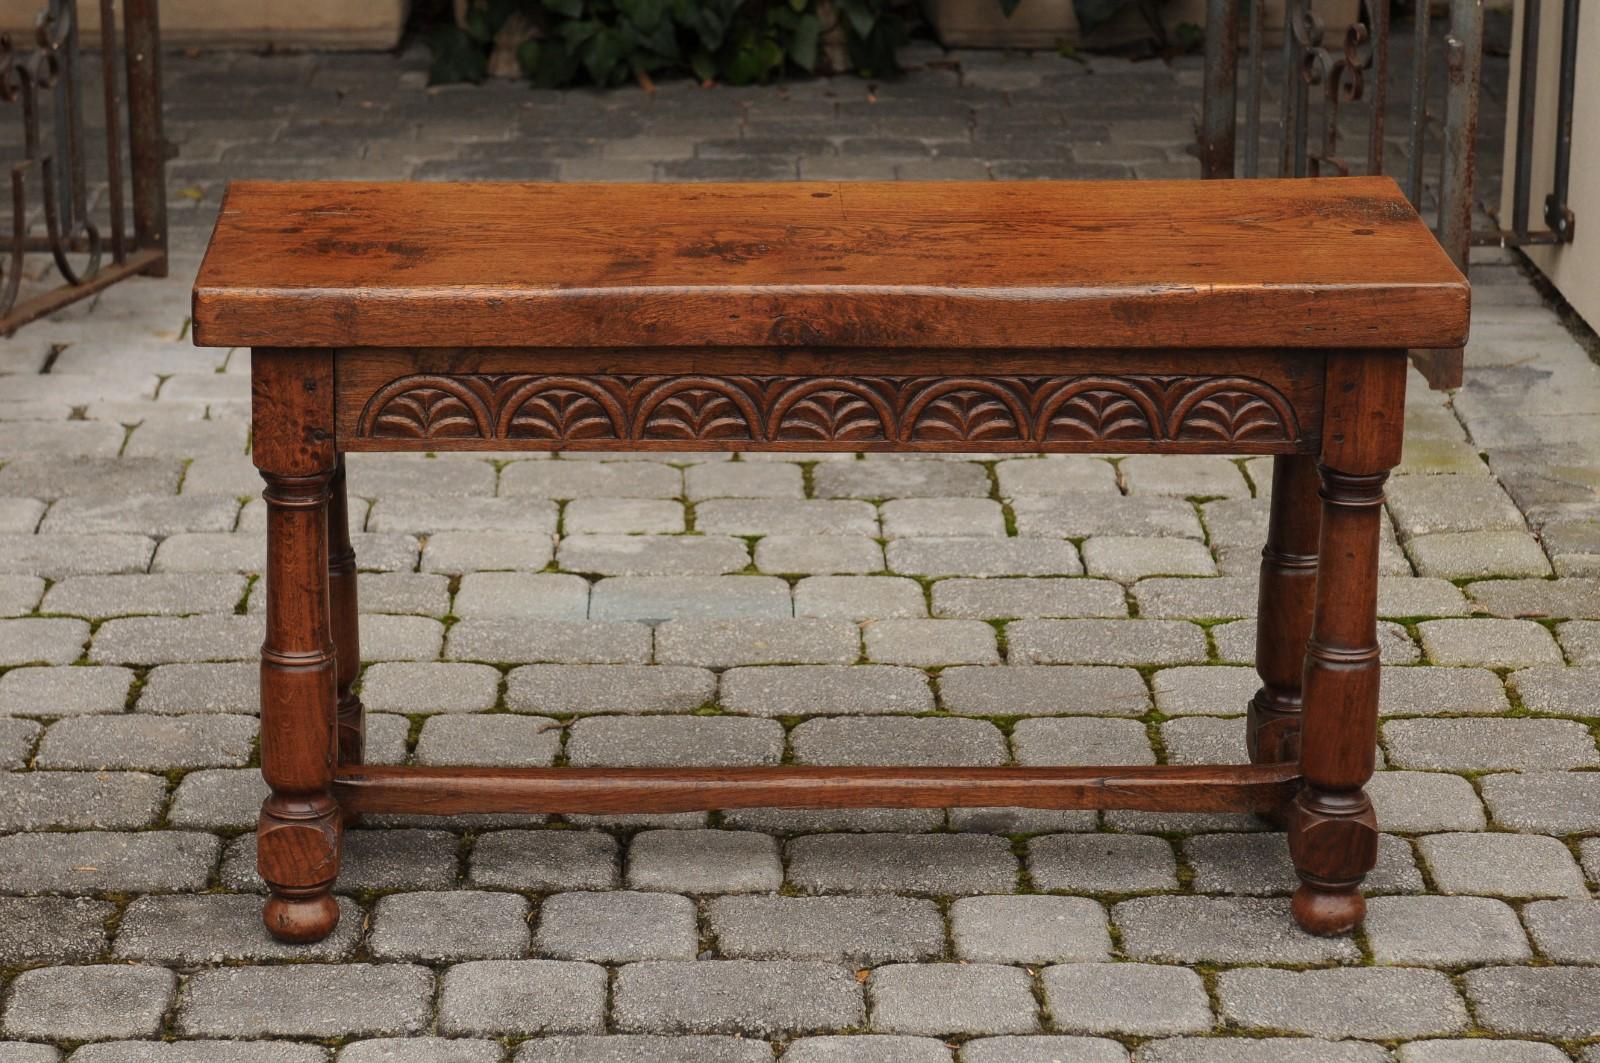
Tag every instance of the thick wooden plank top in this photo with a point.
(1338, 262)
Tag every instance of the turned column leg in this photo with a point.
(1333, 835)
(1288, 592)
(346, 621)
(299, 833)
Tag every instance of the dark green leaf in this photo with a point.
(874, 55)
(803, 45)
(576, 33)
(1092, 13)
(477, 25)
(604, 56)
(564, 8)
(456, 57)
(556, 67)
(704, 66)
(647, 15)
(528, 56)
(860, 17)
(498, 11)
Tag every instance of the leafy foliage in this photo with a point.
(607, 42)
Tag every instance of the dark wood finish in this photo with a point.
(1283, 613)
(345, 621)
(1333, 835)
(1315, 263)
(1247, 317)
(451, 791)
(403, 401)
(298, 836)
(1443, 369)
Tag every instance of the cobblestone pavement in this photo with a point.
(696, 608)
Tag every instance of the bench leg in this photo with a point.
(346, 621)
(299, 833)
(1333, 836)
(1287, 596)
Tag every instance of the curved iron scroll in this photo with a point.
(51, 176)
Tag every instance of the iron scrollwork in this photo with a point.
(1342, 71)
(49, 67)
(54, 160)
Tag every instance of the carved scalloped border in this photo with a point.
(978, 410)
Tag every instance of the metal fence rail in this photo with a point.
(52, 176)
(1327, 83)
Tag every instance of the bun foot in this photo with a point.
(301, 920)
(1327, 914)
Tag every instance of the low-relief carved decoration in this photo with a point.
(831, 409)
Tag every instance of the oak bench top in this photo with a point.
(1316, 263)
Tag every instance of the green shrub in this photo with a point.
(607, 42)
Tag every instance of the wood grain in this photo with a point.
(1333, 832)
(1285, 602)
(1340, 262)
(451, 791)
(299, 831)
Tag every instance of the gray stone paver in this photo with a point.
(1554, 1002)
(1544, 802)
(624, 1048)
(64, 691)
(1029, 929)
(1374, 1003)
(588, 688)
(193, 931)
(1125, 998)
(1444, 931)
(1260, 1050)
(1029, 1049)
(1004, 599)
(499, 997)
(1176, 929)
(971, 539)
(519, 595)
(947, 998)
(616, 927)
(868, 1048)
(704, 861)
(1502, 865)
(307, 1000)
(857, 930)
(88, 1003)
(1482, 1051)
(52, 929)
(661, 741)
(820, 555)
(1565, 931)
(753, 997)
(1043, 690)
(454, 925)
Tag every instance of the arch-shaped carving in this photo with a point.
(579, 408)
(696, 407)
(829, 409)
(1231, 409)
(966, 409)
(1099, 407)
(428, 406)
(561, 407)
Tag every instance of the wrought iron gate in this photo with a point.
(54, 208)
(1323, 81)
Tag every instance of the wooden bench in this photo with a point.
(1230, 317)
